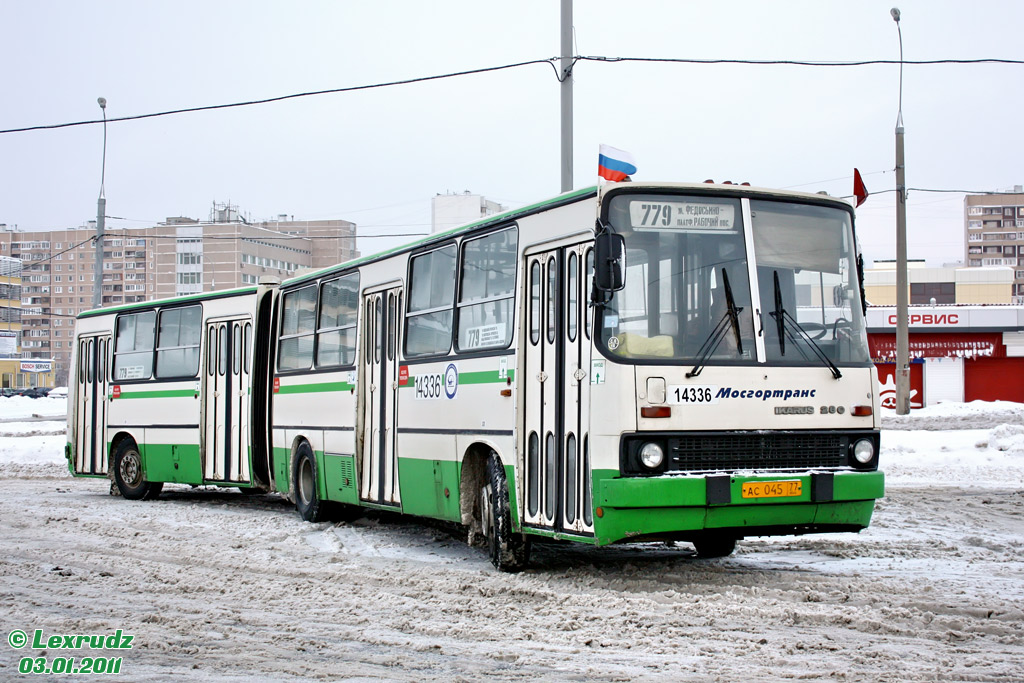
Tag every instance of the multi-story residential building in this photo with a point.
(994, 233)
(15, 371)
(179, 256)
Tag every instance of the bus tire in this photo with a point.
(307, 500)
(509, 551)
(129, 475)
(714, 546)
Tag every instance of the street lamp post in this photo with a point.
(902, 286)
(101, 214)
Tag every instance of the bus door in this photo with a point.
(557, 386)
(91, 423)
(382, 315)
(226, 400)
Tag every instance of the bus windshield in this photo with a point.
(687, 294)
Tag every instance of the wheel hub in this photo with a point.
(131, 470)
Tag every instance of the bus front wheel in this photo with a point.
(509, 551)
(714, 546)
(129, 475)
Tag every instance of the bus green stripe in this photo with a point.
(483, 377)
(167, 393)
(315, 388)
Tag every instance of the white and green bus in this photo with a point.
(622, 363)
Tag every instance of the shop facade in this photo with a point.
(22, 373)
(957, 352)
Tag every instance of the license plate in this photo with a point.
(772, 489)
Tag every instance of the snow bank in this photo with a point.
(13, 407)
(34, 428)
(33, 456)
(973, 415)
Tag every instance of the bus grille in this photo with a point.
(702, 452)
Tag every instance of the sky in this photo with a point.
(377, 157)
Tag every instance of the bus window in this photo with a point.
(392, 321)
(550, 475)
(552, 298)
(82, 361)
(378, 315)
(368, 332)
(236, 356)
(222, 349)
(298, 324)
(533, 453)
(570, 479)
(574, 286)
(336, 327)
(133, 354)
(89, 362)
(428, 326)
(487, 291)
(177, 346)
(247, 345)
(535, 303)
(211, 356)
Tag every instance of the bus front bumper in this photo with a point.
(687, 507)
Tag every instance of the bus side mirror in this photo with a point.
(608, 250)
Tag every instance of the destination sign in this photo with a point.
(645, 214)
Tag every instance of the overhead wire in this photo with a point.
(551, 61)
(292, 96)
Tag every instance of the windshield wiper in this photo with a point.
(729, 319)
(782, 317)
(733, 311)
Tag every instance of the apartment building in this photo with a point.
(994, 234)
(177, 257)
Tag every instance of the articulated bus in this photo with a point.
(623, 363)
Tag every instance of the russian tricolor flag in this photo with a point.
(615, 164)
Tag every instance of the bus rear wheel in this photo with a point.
(509, 551)
(129, 475)
(307, 501)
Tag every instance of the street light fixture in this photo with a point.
(101, 214)
(902, 286)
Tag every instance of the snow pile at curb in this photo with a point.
(973, 415)
(23, 406)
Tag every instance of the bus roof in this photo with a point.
(170, 300)
(512, 214)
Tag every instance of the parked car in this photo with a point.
(58, 392)
(35, 392)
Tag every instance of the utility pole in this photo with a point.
(101, 214)
(902, 285)
(566, 89)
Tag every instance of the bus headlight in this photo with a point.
(651, 455)
(863, 451)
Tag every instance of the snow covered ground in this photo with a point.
(217, 586)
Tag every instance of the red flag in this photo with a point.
(859, 190)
